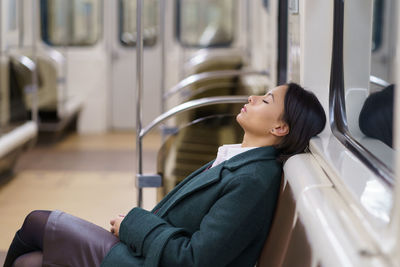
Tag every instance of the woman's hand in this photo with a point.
(115, 224)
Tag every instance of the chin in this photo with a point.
(239, 120)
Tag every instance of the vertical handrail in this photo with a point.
(249, 30)
(1, 28)
(21, 32)
(34, 95)
(139, 85)
(163, 50)
(282, 41)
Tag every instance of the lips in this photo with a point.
(244, 109)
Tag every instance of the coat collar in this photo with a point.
(256, 154)
(206, 177)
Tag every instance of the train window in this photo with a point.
(361, 102)
(206, 23)
(369, 104)
(12, 15)
(70, 22)
(266, 4)
(377, 24)
(127, 25)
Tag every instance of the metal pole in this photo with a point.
(249, 30)
(21, 31)
(139, 86)
(1, 28)
(2, 95)
(34, 102)
(163, 49)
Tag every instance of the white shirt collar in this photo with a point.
(226, 152)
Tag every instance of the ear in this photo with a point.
(280, 130)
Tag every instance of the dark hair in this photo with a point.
(306, 118)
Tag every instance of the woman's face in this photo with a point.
(262, 116)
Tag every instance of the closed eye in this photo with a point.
(265, 101)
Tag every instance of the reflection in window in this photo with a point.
(377, 25)
(369, 105)
(12, 15)
(266, 4)
(127, 26)
(206, 23)
(70, 22)
(351, 91)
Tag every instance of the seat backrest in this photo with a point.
(276, 245)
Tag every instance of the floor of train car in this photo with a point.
(90, 176)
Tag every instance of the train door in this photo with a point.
(122, 39)
(73, 30)
(211, 27)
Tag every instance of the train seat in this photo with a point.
(56, 106)
(288, 242)
(47, 93)
(208, 60)
(275, 246)
(15, 136)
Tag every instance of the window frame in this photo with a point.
(121, 21)
(228, 44)
(337, 111)
(44, 26)
(377, 26)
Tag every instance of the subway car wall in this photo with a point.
(65, 62)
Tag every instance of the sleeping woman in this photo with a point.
(219, 215)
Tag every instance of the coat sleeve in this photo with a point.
(234, 221)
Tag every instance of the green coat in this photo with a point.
(215, 217)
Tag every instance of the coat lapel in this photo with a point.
(186, 180)
(204, 178)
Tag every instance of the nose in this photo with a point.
(250, 99)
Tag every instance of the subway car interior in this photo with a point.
(108, 104)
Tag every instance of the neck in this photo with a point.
(257, 141)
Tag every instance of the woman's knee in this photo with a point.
(36, 217)
(32, 259)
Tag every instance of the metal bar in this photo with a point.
(26, 62)
(378, 81)
(249, 30)
(163, 12)
(1, 28)
(282, 42)
(139, 86)
(210, 75)
(21, 32)
(214, 86)
(207, 101)
(35, 79)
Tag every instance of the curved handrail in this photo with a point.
(378, 81)
(25, 61)
(202, 89)
(207, 101)
(210, 75)
(205, 55)
(337, 112)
